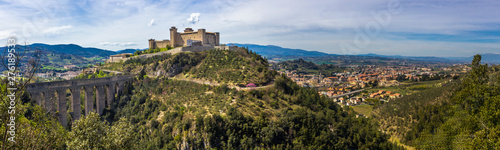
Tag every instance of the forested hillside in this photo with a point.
(461, 114)
(239, 67)
(158, 112)
(307, 67)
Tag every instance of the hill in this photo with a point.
(420, 58)
(283, 54)
(128, 51)
(182, 114)
(237, 68)
(78, 50)
(456, 114)
(271, 50)
(307, 67)
(486, 58)
(158, 111)
(74, 49)
(54, 57)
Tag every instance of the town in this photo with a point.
(356, 84)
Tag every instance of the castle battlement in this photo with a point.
(187, 38)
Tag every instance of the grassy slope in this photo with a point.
(175, 104)
(398, 116)
(363, 109)
(238, 67)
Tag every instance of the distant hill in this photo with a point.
(54, 57)
(128, 51)
(74, 49)
(80, 51)
(68, 54)
(489, 58)
(272, 50)
(419, 58)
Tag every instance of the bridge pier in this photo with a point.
(75, 103)
(37, 96)
(89, 100)
(110, 93)
(61, 96)
(121, 86)
(49, 105)
(100, 95)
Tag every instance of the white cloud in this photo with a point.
(194, 18)
(123, 44)
(56, 30)
(316, 25)
(4, 34)
(151, 23)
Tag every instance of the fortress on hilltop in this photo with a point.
(189, 41)
(188, 38)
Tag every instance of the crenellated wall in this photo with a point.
(180, 39)
(52, 94)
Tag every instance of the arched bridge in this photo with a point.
(51, 94)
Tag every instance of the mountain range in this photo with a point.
(272, 51)
(80, 51)
(269, 51)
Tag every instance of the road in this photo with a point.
(218, 84)
(115, 72)
(345, 94)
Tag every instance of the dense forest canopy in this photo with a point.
(462, 114)
(158, 112)
(307, 67)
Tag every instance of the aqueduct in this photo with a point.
(105, 89)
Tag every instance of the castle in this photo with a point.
(189, 41)
(188, 38)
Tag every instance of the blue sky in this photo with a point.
(390, 27)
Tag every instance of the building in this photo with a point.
(69, 66)
(119, 57)
(188, 38)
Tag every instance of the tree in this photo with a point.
(142, 73)
(120, 135)
(88, 133)
(401, 78)
(372, 101)
(11, 58)
(91, 133)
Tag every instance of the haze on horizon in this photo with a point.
(445, 28)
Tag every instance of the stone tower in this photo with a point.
(152, 44)
(201, 33)
(216, 38)
(173, 36)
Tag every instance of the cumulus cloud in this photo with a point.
(56, 30)
(122, 44)
(194, 18)
(4, 34)
(323, 27)
(151, 23)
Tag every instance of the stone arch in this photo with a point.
(45, 94)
